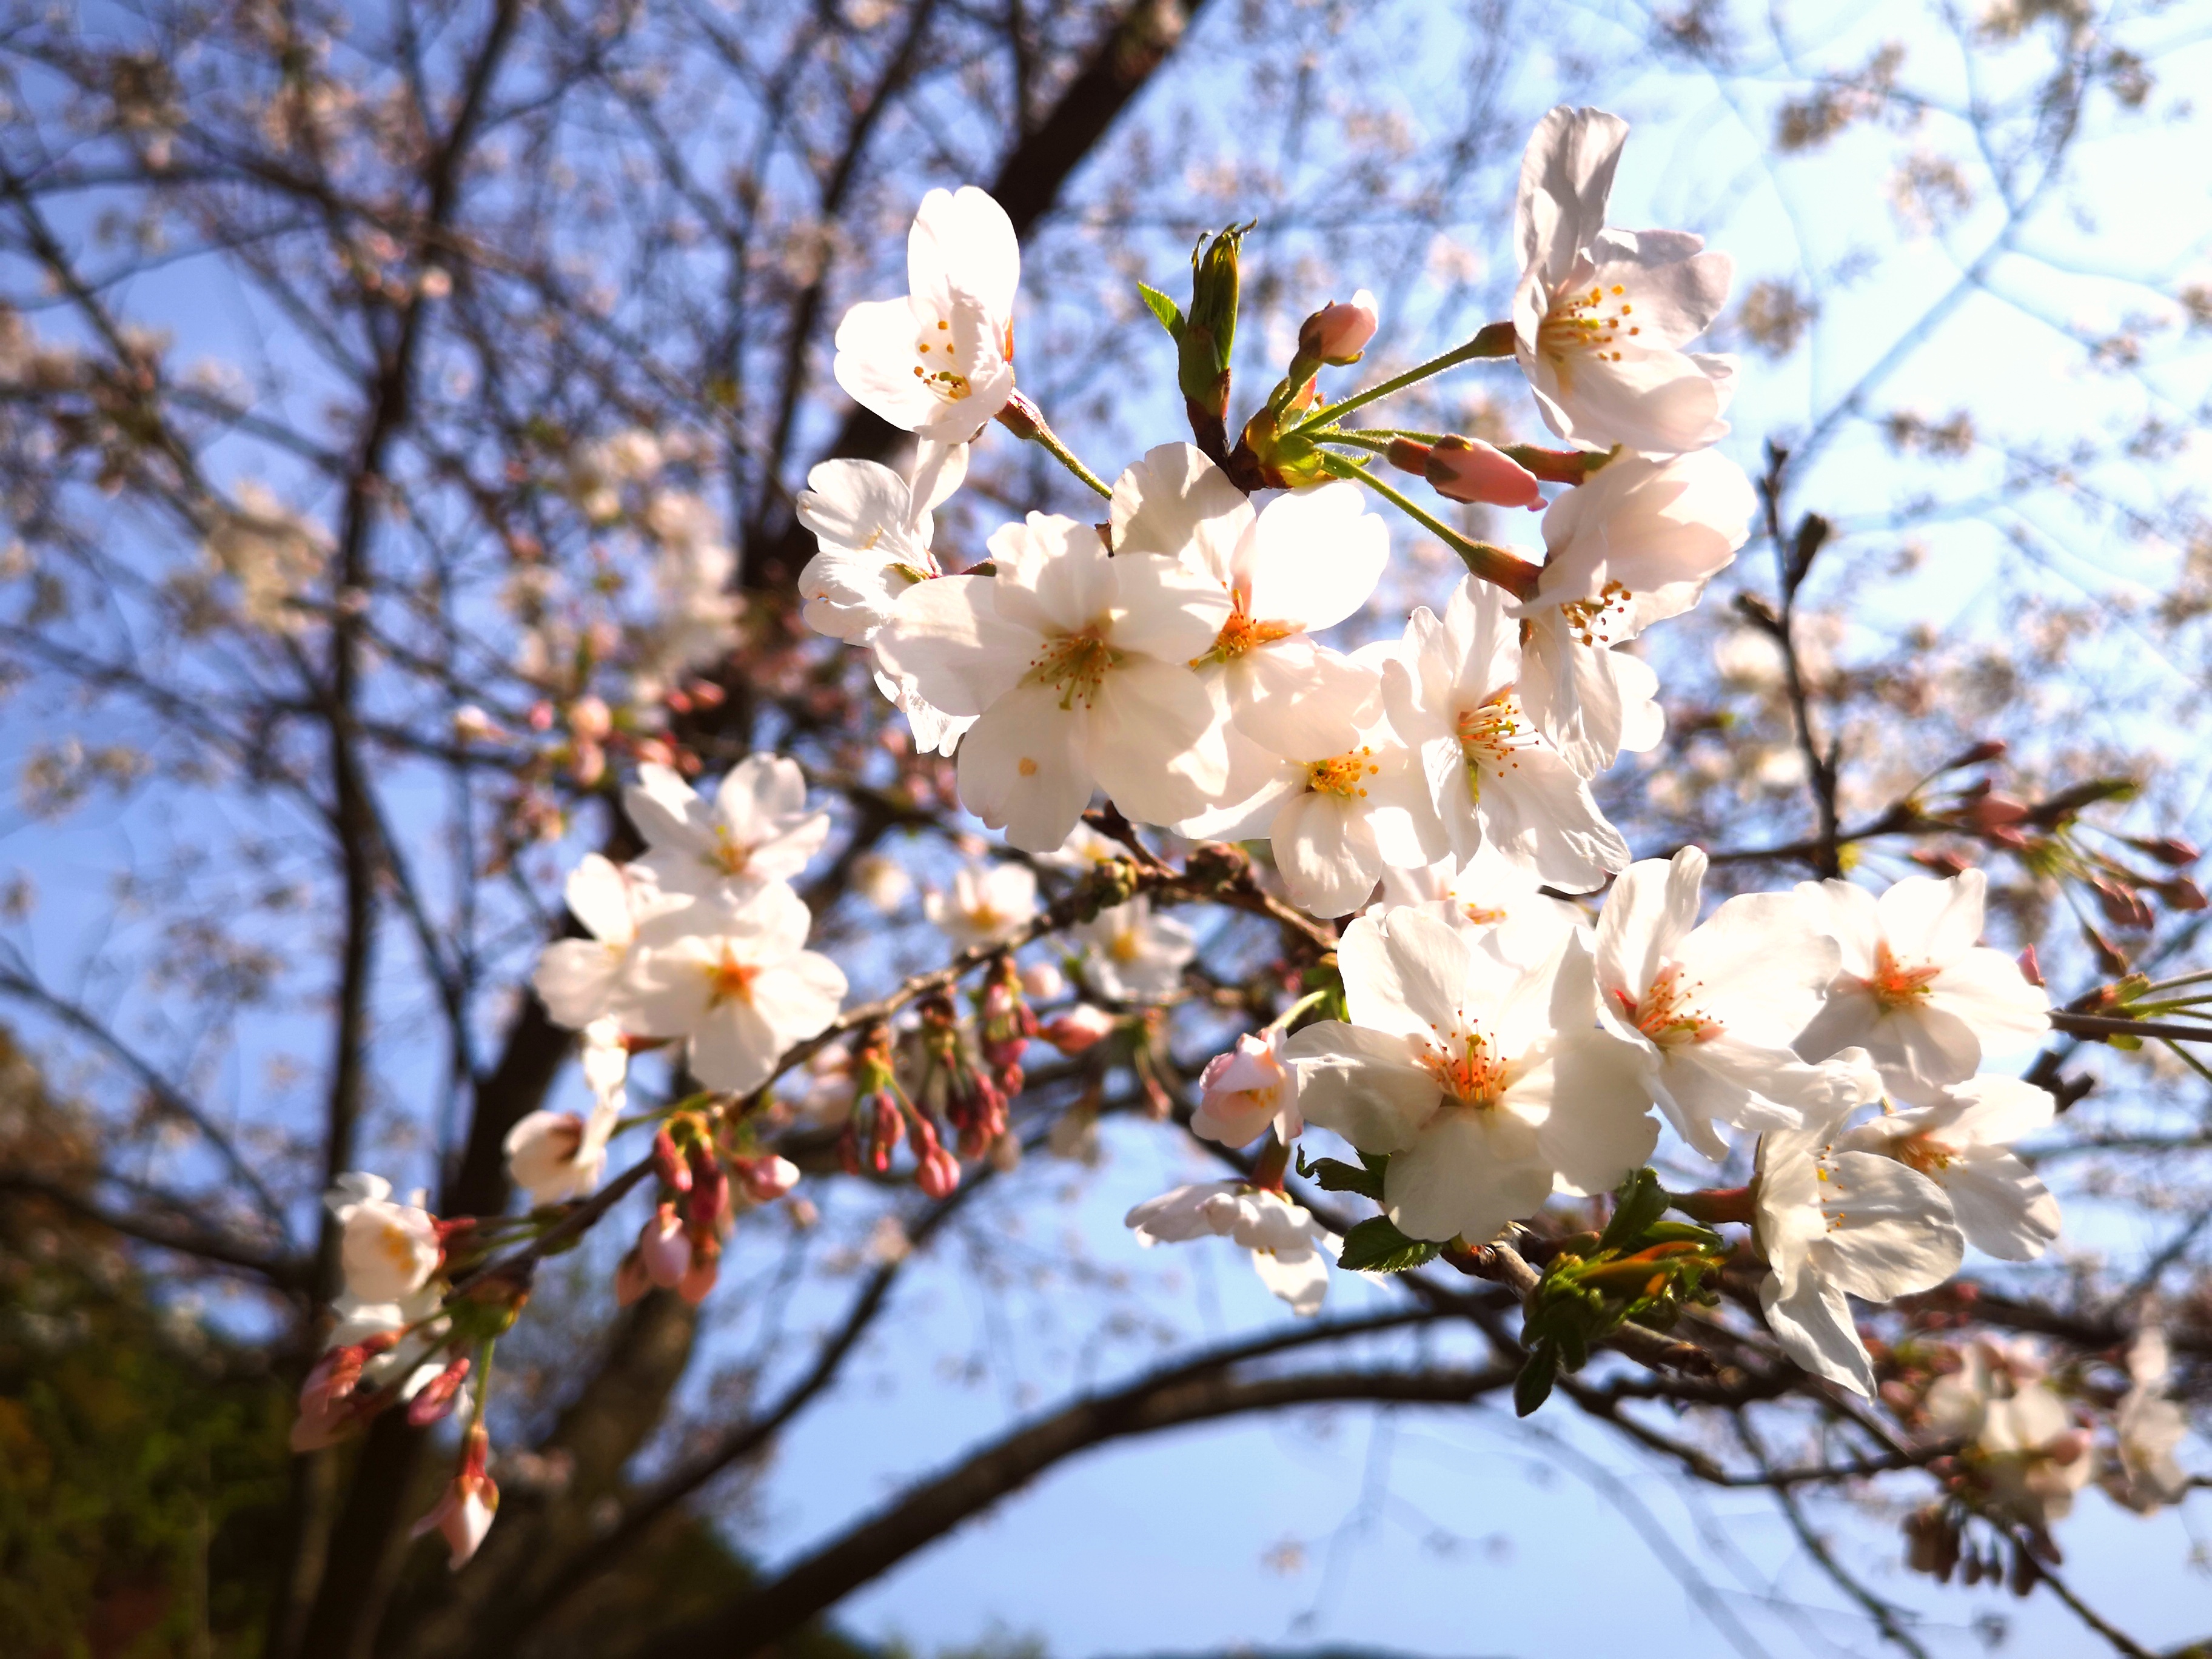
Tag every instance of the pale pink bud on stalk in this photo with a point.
(709, 1206)
(706, 694)
(669, 1163)
(663, 1247)
(1988, 748)
(652, 751)
(1159, 1104)
(1042, 981)
(472, 725)
(541, 716)
(1338, 332)
(765, 1179)
(2168, 850)
(1941, 860)
(329, 1405)
(1468, 470)
(2181, 894)
(464, 1515)
(2031, 969)
(936, 1171)
(1995, 815)
(1078, 1029)
(589, 718)
(2122, 906)
(435, 1398)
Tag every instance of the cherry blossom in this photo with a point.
(730, 973)
(874, 538)
(758, 829)
(1248, 1090)
(1715, 1007)
(464, 1513)
(575, 978)
(1959, 1139)
(1834, 1224)
(1600, 315)
(1304, 562)
(1135, 955)
(1338, 332)
(1632, 545)
(987, 903)
(1914, 988)
(1490, 1084)
(940, 362)
(2150, 1425)
(1493, 778)
(1291, 1251)
(1077, 664)
(2022, 1444)
(1492, 896)
(387, 1250)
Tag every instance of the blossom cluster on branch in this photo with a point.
(1493, 1003)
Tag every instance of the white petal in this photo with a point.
(1469, 1173)
(1368, 1087)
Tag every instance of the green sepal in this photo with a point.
(1169, 313)
(1636, 1203)
(1376, 1246)
(1534, 1386)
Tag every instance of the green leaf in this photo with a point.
(1534, 1386)
(1169, 313)
(1684, 1232)
(1376, 1246)
(1636, 1203)
(1335, 1175)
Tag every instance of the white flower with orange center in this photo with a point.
(1716, 1008)
(575, 978)
(1633, 544)
(1135, 955)
(1961, 1137)
(940, 362)
(1493, 897)
(1283, 573)
(731, 974)
(1291, 1250)
(1834, 1224)
(1490, 1084)
(1600, 316)
(387, 1250)
(1494, 779)
(1913, 987)
(1077, 665)
(986, 903)
(758, 829)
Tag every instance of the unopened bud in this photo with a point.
(472, 725)
(1993, 810)
(1078, 1029)
(2169, 850)
(663, 1247)
(541, 716)
(938, 1175)
(1940, 859)
(436, 1398)
(673, 1168)
(2181, 894)
(2123, 906)
(588, 762)
(763, 1180)
(2030, 968)
(704, 1269)
(1468, 470)
(1988, 748)
(588, 718)
(2109, 959)
(1043, 982)
(1341, 330)
(631, 1280)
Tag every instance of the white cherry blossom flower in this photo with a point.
(730, 973)
(987, 903)
(874, 538)
(575, 978)
(1493, 778)
(1084, 851)
(2022, 1444)
(756, 830)
(387, 1250)
(2150, 1425)
(1915, 989)
(1135, 955)
(1291, 1251)
(1304, 562)
(1633, 544)
(1833, 1224)
(940, 362)
(1601, 315)
(1077, 664)
(1248, 1090)
(1714, 1007)
(1959, 1139)
(1489, 1085)
(1492, 896)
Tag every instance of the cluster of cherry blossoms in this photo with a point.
(1513, 1006)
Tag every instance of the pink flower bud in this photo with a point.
(541, 716)
(1042, 981)
(1339, 330)
(1469, 469)
(704, 1269)
(2168, 850)
(463, 1515)
(2181, 894)
(631, 1280)
(709, 1206)
(938, 1173)
(1078, 1029)
(472, 725)
(674, 1169)
(588, 762)
(327, 1400)
(763, 1180)
(663, 1248)
(1993, 810)
(436, 1398)
(2030, 968)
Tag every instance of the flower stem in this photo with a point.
(1493, 564)
(1282, 1021)
(1492, 340)
(1025, 419)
